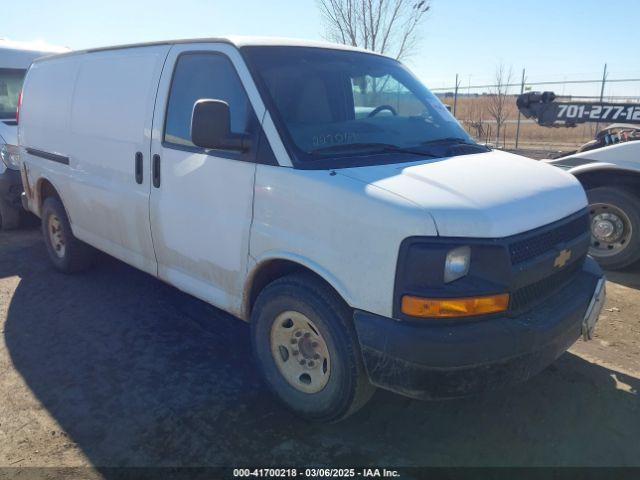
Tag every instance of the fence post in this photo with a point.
(455, 97)
(504, 136)
(519, 114)
(604, 81)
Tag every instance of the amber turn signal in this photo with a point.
(454, 307)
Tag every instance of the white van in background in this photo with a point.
(15, 58)
(323, 194)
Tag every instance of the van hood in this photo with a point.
(486, 195)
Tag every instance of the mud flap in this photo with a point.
(593, 310)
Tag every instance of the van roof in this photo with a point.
(235, 40)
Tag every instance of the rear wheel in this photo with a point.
(615, 227)
(67, 253)
(307, 349)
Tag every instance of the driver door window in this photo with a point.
(205, 75)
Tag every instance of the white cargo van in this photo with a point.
(322, 194)
(15, 58)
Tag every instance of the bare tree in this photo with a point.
(390, 27)
(498, 98)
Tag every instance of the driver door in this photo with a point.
(201, 200)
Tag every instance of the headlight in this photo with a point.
(438, 270)
(10, 156)
(457, 263)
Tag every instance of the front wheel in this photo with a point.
(307, 350)
(615, 227)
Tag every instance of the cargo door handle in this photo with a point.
(139, 166)
(156, 170)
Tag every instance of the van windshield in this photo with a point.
(10, 85)
(343, 108)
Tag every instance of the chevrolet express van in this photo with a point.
(15, 58)
(322, 194)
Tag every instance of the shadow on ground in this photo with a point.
(629, 277)
(138, 373)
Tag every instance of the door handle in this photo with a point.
(155, 171)
(139, 166)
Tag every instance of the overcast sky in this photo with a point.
(552, 39)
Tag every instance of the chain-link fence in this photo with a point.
(488, 111)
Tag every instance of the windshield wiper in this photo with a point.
(446, 140)
(372, 147)
(455, 141)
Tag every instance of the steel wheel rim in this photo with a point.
(611, 230)
(300, 352)
(56, 237)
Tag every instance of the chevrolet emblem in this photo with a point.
(562, 258)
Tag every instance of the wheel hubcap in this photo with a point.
(610, 230)
(55, 236)
(603, 229)
(300, 352)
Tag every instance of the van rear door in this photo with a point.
(202, 200)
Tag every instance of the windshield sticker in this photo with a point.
(335, 139)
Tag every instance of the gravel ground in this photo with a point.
(114, 368)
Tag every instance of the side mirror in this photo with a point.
(211, 127)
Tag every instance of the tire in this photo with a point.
(625, 207)
(67, 253)
(9, 216)
(347, 386)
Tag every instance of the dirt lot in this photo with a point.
(114, 368)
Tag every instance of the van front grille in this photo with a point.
(540, 243)
(527, 296)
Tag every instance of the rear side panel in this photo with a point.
(96, 110)
(45, 109)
